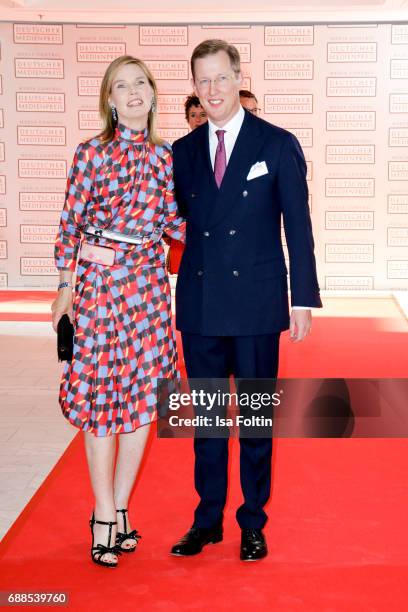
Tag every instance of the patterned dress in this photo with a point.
(124, 340)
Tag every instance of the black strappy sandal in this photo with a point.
(99, 550)
(122, 536)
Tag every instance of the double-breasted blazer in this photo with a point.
(233, 278)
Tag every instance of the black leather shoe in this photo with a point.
(195, 540)
(253, 545)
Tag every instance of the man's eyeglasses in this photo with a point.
(254, 111)
(221, 81)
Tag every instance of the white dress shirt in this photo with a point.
(231, 134)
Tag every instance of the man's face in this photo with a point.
(250, 104)
(217, 86)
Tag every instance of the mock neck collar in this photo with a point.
(134, 136)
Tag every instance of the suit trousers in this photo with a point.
(247, 357)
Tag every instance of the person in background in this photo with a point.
(119, 200)
(248, 100)
(195, 116)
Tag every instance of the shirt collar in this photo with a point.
(233, 125)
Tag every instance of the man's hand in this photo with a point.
(300, 324)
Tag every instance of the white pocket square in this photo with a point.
(258, 169)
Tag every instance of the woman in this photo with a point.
(120, 182)
(195, 116)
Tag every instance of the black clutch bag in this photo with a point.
(65, 338)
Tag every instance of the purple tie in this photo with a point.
(220, 162)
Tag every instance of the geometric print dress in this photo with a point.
(124, 340)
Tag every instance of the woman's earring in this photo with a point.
(153, 106)
(114, 114)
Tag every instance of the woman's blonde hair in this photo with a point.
(109, 125)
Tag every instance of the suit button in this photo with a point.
(232, 232)
(193, 195)
(200, 273)
(206, 234)
(245, 193)
(235, 273)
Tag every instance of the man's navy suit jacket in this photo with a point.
(232, 279)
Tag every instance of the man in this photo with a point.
(235, 177)
(248, 100)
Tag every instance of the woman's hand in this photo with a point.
(62, 305)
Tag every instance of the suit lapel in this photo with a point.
(204, 185)
(243, 156)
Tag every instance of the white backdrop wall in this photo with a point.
(343, 90)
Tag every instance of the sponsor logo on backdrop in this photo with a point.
(350, 154)
(309, 171)
(398, 137)
(40, 135)
(89, 120)
(288, 70)
(398, 103)
(45, 201)
(350, 121)
(3, 249)
(2, 184)
(171, 134)
(38, 68)
(350, 187)
(349, 220)
(397, 203)
(96, 52)
(399, 34)
(2, 152)
(289, 35)
(3, 217)
(3, 279)
(397, 268)
(171, 103)
(40, 102)
(42, 168)
(349, 253)
(397, 236)
(169, 69)
(288, 103)
(89, 86)
(163, 35)
(338, 52)
(244, 50)
(38, 234)
(351, 87)
(34, 266)
(398, 170)
(399, 69)
(34, 33)
(1, 118)
(304, 135)
(350, 282)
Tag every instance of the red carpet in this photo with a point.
(337, 530)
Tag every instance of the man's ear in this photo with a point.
(193, 86)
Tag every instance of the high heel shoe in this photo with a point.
(122, 536)
(100, 549)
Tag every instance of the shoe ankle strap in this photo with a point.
(124, 511)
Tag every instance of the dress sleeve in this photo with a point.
(174, 224)
(77, 196)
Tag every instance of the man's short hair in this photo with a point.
(245, 93)
(191, 100)
(212, 46)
